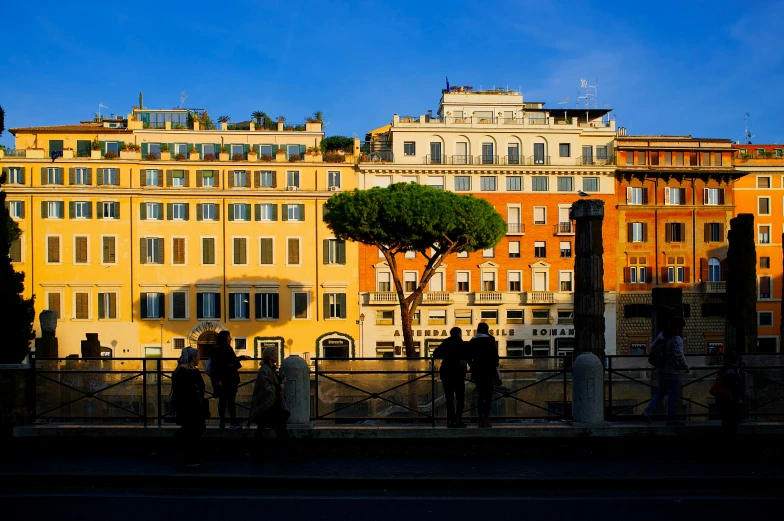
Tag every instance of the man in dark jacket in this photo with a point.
(454, 353)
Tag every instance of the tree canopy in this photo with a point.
(410, 216)
(334, 143)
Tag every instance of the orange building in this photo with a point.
(761, 192)
(675, 201)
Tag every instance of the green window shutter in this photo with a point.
(71, 175)
(98, 208)
(198, 211)
(143, 211)
(160, 211)
(145, 150)
(245, 149)
(43, 175)
(341, 252)
(142, 251)
(168, 178)
(187, 215)
(284, 210)
(171, 149)
(22, 211)
(325, 251)
(217, 212)
(198, 179)
(274, 149)
(231, 212)
(200, 150)
(230, 181)
(89, 211)
(101, 308)
(143, 304)
(161, 258)
(274, 179)
(120, 145)
(256, 149)
(44, 210)
(257, 178)
(112, 305)
(71, 209)
(142, 178)
(257, 211)
(88, 176)
(247, 212)
(162, 304)
(301, 212)
(103, 148)
(302, 149)
(232, 312)
(186, 174)
(274, 212)
(169, 211)
(326, 306)
(116, 210)
(342, 303)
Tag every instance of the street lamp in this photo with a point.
(361, 335)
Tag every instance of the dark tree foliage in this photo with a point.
(18, 312)
(335, 143)
(2, 120)
(410, 216)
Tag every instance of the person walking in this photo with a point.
(268, 406)
(483, 354)
(225, 376)
(454, 353)
(673, 361)
(188, 403)
(730, 404)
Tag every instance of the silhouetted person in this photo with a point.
(454, 353)
(669, 371)
(484, 369)
(188, 404)
(731, 408)
(225, 376)
(268, 406)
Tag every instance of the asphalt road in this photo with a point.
(196, 504)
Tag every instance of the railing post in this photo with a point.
(34, 384)
(159, 376)
(144, 390)
(433, 390)
(315, 385)
(563, 407)
(609, 388)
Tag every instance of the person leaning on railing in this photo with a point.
(454, 353)
(483, 352)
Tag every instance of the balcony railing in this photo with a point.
(515, 228)
(565, 228)
(595, 161)
(486, 159)
(383, 297)
(378, 156)
(512, 160)
(719, 286)
(436, 298)
(462, 160)
(539, 297)
(15, 152)
(436, 160)
(537, 160)
(488, 297)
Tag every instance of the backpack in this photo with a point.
(208, 367)
(658, 353)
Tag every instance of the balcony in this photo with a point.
(388, 298)
(565, 228)
(595, 161)
(486, 159)
(436, 298)
(537, 160)
(488, 297)
(714, 286)
(377, 156)
(538, 297)
(515, 229)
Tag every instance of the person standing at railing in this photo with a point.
(224, 373)
(730, 400)
(189, 404)
(454, 353)
(670, 341)
(268, 406)
(483, 353)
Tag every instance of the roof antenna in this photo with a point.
(747, 136)
(182, 98)
(100, 106)
(565, 103)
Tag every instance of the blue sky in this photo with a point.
(692, 67)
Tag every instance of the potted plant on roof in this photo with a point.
(193, 154)
(313, 155)
(165, 154)
(252, 154)
(95, 149)
(223, 153)
(129, 151)
(280, 155)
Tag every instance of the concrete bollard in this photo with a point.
(297, 391)
(588, 389)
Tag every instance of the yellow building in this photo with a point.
(164, 235)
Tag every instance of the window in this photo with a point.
(514, 183)
(301, 302)
(514, 249)
(155, 148)
(539, 157)
(462, 255)
(152, 211)
(637, 311)
(239, 306)
(294, 212)
(638, 271)
(240, 178)
(107, 306)
(565, 280)
(488, 253)
(565, 183)
(15, 176)
(152, 250)
(80, 249)
(566, 249)
(488, 183)
(409, 179)
(566, 317)
(267, 212)
(267, 306)
(240, 250)
(674, 195)
(178, 177)
(515, 279)
(675, 232)
(515, 316)
(539, 183)
(765, 319)
(462, 278)
(112, 147)
(108, 248)
(435, 153)
(151, 178)
(564, 150)
(410, 280)
(334, 305)
(764, 234)
(765, 262)
(463, 316)
(436, 317)
(110, 210)
(410, 254)
(53, 176)
(16, 209)
(763, 182)
(641, 157)
(53, 303)
(207, 305)
(488, 281)
(53, 249)
(240, 150)
(714, 269)
(676, 271)
(513, 154)
(207, 177)
(180, 212)
(333, 179)
(80, 210)
(382, 181)
(714, 232)
(240, 344)
(208, 250)
(208, 211)
(266, 251)
(488, 158)
(53, 209)
(590, 184)
(540, 249)
(763, 205)
(152, 305)
(82, 306)
(601, 153)
(15, 251)
(240, 212)
(385, 318)
(462, 183)
(540, 215)
(587, 158)
(384, 281)
(636, 195)
(489, 316)
(765, 287)
(638, 232)
(292, 179)
(79, 176)
(713, 196)
(292, 257)
(436, 182)
(385, 350)
(179, 301)
(409, 148)
(265, 179)
(513, 219)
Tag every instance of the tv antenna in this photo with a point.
(565, 103)
(747, 135)
(182, 98)
(101, 106)
(591, 93)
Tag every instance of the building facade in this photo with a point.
(675, 200)
(157, 236)
(760, 192)
(529, 163)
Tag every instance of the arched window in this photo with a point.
(714, 269)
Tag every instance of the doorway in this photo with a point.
(206, 343)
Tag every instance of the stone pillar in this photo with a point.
(740, 333)
(47, 346)
(91, 348)
(588, 277)
(297, 391)
(588, 389)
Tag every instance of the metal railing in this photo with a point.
(461, 159)
(537, 160)
(15, 152)
(406, 390)
(378, 156)
(564, 228)
(515, 228)
(630, 383)
(487, 159)
(595, 161)
(436, 159)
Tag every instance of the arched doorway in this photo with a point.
(206, 343)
